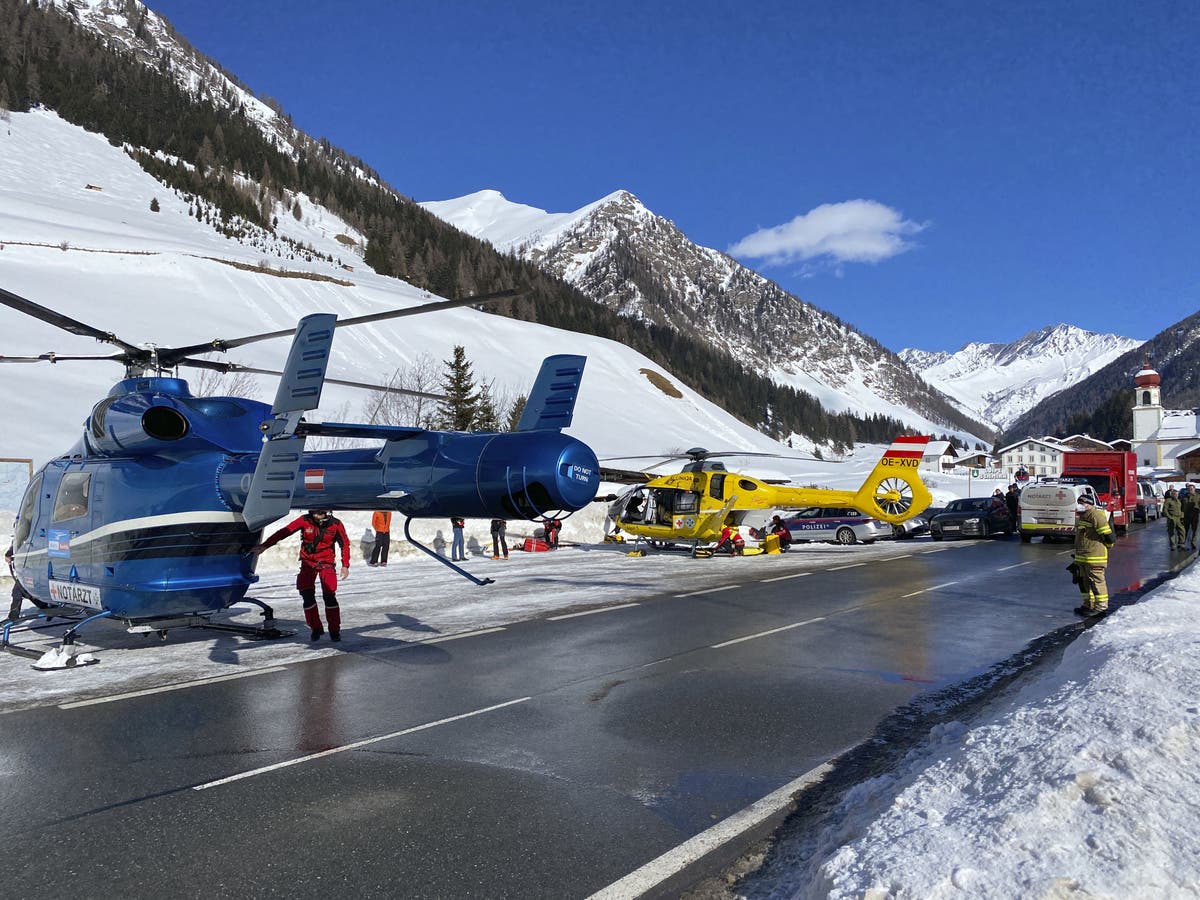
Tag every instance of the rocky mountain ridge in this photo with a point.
(642, 266)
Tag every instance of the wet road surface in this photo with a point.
(547, 759)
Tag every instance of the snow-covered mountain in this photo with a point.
(79, 233)
(639, 264)
(997, 383)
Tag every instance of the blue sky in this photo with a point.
(931, 172)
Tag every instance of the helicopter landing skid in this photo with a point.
(37, 621)
(266, 631)
(445, 562)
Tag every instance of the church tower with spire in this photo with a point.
(1147, 408)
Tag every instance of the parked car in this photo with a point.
(972, 517)
(918, 524)
(842, 525)
(1148, 502)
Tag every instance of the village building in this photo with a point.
(1165, 441)
(939, 456)
(1036, 457)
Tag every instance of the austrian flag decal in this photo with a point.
(314, 479)
(906, 452)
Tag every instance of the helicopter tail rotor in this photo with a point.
(894, 492)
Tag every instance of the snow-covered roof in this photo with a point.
(1177, 425)
(1047, 442)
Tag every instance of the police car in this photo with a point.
(839, 524)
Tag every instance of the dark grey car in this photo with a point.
(972, 517)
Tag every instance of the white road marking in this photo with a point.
(928, 589)
(751, 637)
(171, 687)
(641, 881)
(354, 746)
(783, 577)
(1017, 566)
(851, 566)
(727, 587)
(589, 612)
(433, 640)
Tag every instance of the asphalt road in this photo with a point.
(547, 759)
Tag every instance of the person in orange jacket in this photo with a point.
(381, 521)
(320, 533)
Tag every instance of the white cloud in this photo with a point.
(853, 231)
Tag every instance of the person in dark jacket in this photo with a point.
(552, 528)
(458, 546)
(782, 532)
(320, 534)
(1012, 499)
(499, 526)
(1190, 501)
(19, 594)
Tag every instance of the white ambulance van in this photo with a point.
(1047, 509)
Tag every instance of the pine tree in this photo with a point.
(487, 418)
(154, 204)
(515, 412)
(459, 410)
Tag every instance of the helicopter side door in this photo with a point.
(28, 532)
(71, 514)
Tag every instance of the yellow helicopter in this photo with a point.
(694, 506)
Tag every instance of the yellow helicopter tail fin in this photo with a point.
(894, 492)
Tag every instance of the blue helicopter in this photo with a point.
(149, 518)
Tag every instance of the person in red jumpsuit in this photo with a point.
(320, 532)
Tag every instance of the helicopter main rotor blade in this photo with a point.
(173, 356)
(227, 367)
(59, 357)
(66, 323)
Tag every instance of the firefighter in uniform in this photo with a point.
(1190, 501)
(1172, 510)
(1093, 537)
(320, 532)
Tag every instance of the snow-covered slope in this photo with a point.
(77, 234)
(639, 264)
(997, 383)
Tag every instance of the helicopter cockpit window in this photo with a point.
(746, 485)
(633, 511)
(686, 502)
(72, 499)
(25, 516)
(716, 486)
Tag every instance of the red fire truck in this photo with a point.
(1113, 475)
